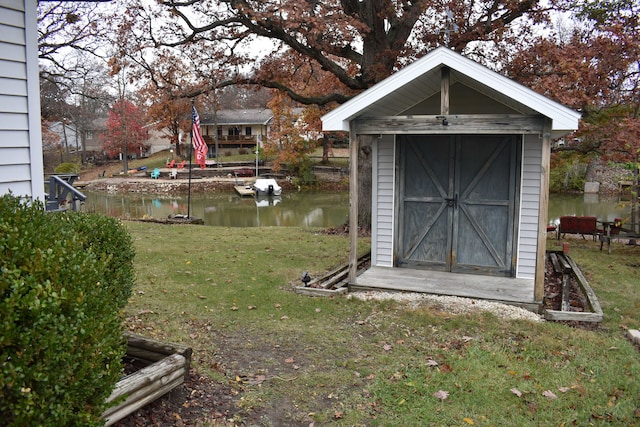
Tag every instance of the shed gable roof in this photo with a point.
(413, 84)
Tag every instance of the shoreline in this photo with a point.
(145, 185)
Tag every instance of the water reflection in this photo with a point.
(602, 207)
(296, 209)
(304, 209)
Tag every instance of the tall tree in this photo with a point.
(65, 29)
(592, 63)
(286, 145)
(355, 43)
(359, 42)
(126, 132)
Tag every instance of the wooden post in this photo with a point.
(538, 289)
(353, 202)
(444, 91)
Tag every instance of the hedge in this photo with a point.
(64, 279)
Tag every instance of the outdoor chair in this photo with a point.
(155, 174)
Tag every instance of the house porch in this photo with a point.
(519, 292)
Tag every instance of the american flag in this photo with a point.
(199, 145)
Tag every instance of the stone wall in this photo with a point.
(607, 175)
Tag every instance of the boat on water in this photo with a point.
(267, 187)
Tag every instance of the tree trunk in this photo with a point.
(326, 147)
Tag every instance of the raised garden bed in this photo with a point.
(156, 368)
(567, 294)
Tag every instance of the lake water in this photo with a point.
(294, 209)
(602, 207)
(302, 209)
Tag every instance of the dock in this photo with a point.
(244, 190)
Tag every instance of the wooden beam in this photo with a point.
(451, 124)
(538, 288)
(353, 203)
(444, 90)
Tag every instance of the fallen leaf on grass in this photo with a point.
(516, 392)
(549, 394)
(445, 368)
(251, 307)
(564, 389)
(289, 360)
(431, 362)
(469, 421)
(441, 394)
(234, 308)
(387, 347)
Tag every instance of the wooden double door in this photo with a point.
(457, 200)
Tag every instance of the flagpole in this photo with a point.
(190, 167)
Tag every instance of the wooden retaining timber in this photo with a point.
(167, 366)
(563, 264)
(335, 282)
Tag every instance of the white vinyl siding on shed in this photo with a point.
(383, 203)
(529, 207)
(21, 167)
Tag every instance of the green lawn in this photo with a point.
(227, 293)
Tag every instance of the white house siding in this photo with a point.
(529, 207)
(21, 166)
(383, 202)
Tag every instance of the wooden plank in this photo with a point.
(140, 341)
(137, 344)
(320, 292)
(565, 316)
(586, 289)
(564, 263)
(538, 290)
(554, 261)
(565, 305)
(130, 407)
(455, 124)
(244, 190)
(353, 202)
(147, 375)
(503, 289)
(444, 90)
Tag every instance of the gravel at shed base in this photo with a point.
(450, 304)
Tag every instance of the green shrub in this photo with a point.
(567, 173)
(67, 168)
(63, 280)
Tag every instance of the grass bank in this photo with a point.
(295, 360)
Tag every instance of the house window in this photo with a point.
(247, 131)
(234, 131)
